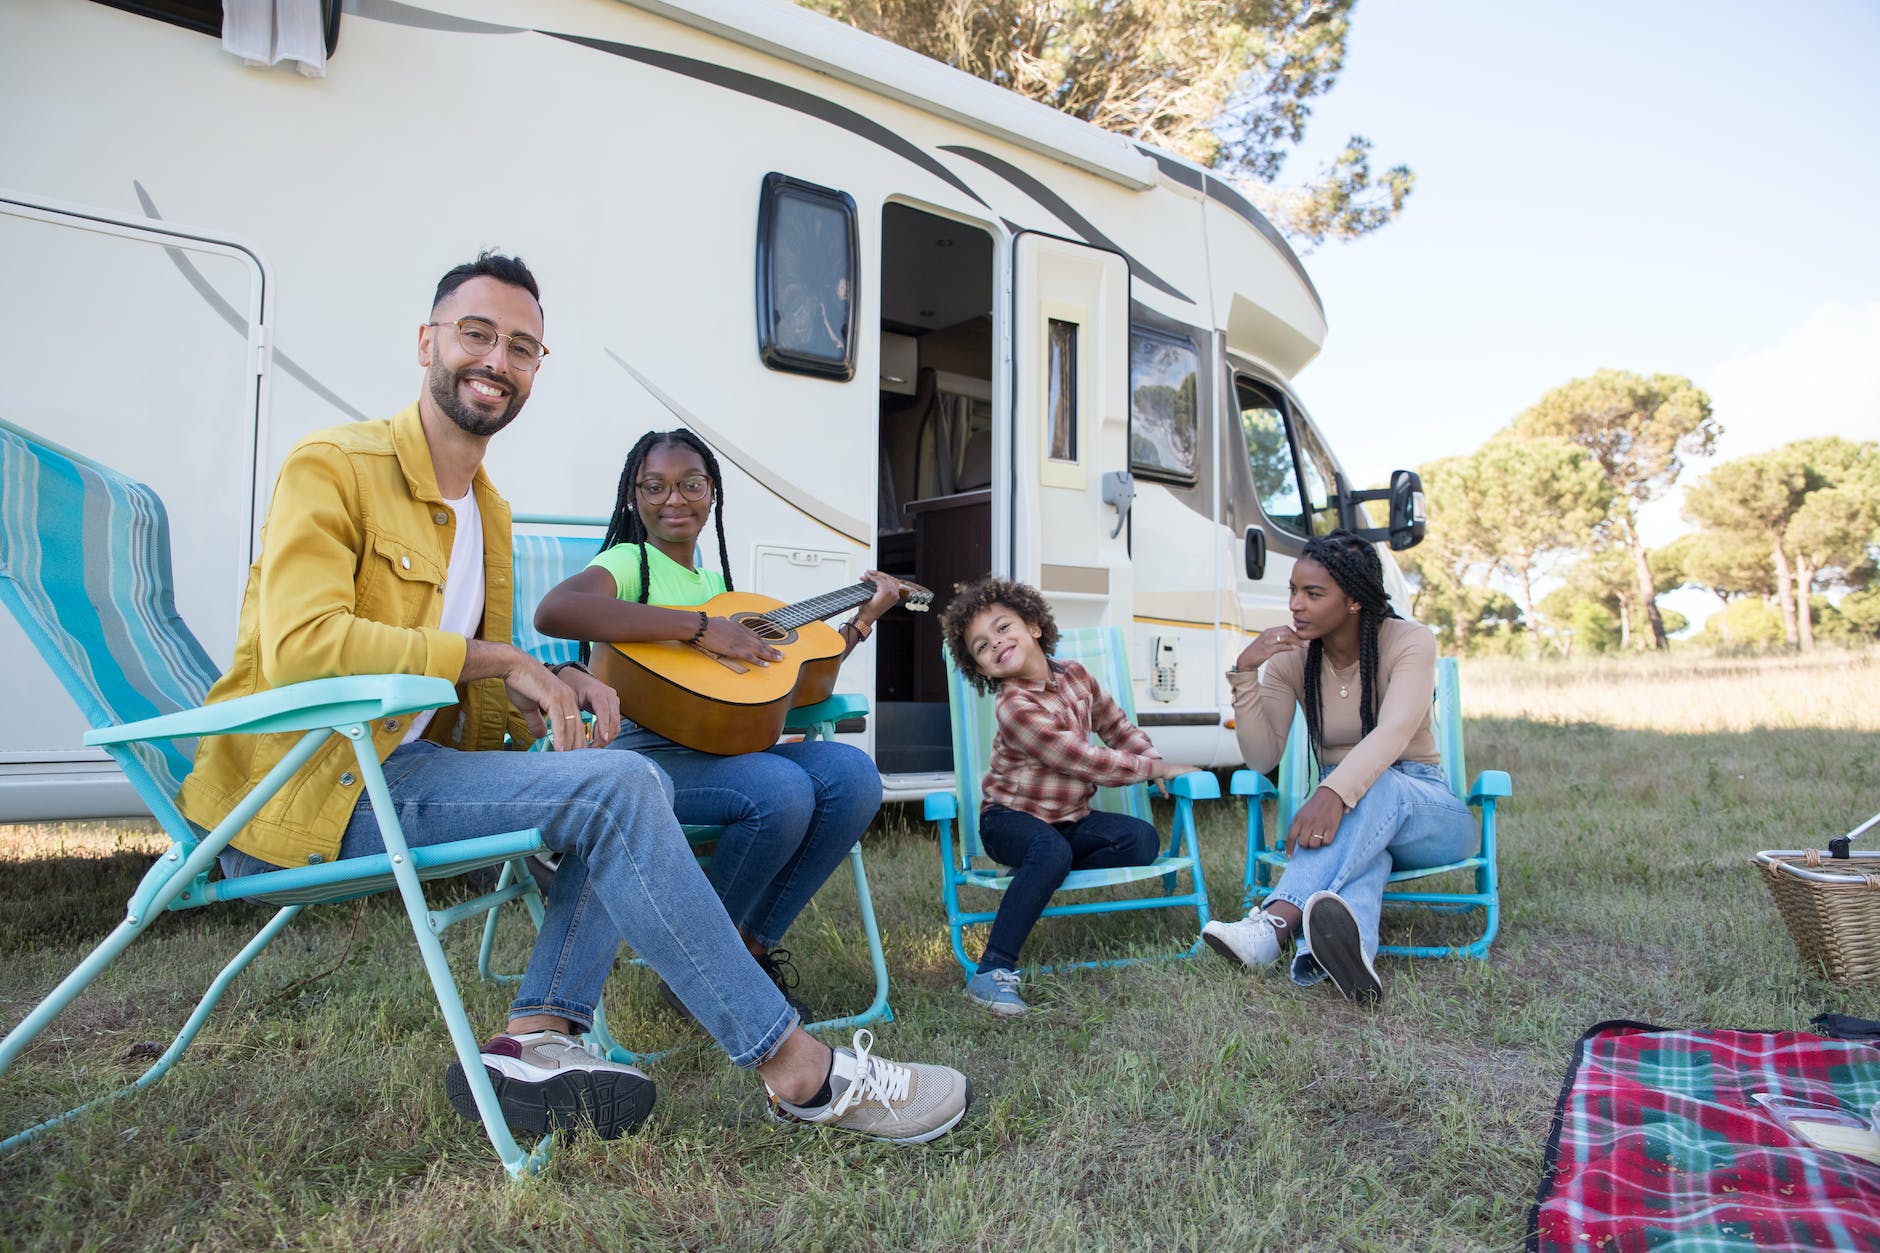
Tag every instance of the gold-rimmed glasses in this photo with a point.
(477, 336)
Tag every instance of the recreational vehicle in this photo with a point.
(928, 326)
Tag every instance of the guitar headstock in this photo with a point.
(917, 598)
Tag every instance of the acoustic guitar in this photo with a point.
(718, 705)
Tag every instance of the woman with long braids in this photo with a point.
(790, 813)
(1365, 678)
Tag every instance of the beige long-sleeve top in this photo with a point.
(1264, 702)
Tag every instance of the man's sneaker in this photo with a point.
(1253, 941)
(1332, 935)
(777, 966)
(997, 990)
(902, 1102)
(545, 1079)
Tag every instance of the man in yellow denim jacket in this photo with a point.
(365, 569)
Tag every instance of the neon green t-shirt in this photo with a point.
(672, 583)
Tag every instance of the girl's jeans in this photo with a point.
(1407, 820)
(790, 815)
(1041, 854)
(626, 873)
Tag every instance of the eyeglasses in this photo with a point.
(657, 491)
(477, 336)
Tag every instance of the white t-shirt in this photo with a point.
(463, 586)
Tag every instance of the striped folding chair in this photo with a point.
(543, 560)
(85, 567)
(1297, 782)
(963, 861)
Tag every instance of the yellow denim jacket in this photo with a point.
(350, 580)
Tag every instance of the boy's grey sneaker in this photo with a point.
(902, 1102)
(1332, 934)
(1253, 941)
(545, 1079)
(997, 990)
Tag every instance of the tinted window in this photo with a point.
(1163, 374)
(1062, 398)
(1315, 464)
(806, 278)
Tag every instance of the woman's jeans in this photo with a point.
(1041, 853)
(1408, 819)
(790, 816)
(626, 873)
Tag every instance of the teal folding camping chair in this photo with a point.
(963, 861)
(85, 567)
(543, 560)
(1297, 783)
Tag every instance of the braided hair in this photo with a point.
(626, 525)
(1354, 565)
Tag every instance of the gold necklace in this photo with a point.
(1344, 680)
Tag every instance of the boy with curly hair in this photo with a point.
(1036, 815)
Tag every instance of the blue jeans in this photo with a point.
(626, 873)
(1408, 819)
(1041, 853)
(790, 816)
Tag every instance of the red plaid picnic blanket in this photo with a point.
(1656, 1144)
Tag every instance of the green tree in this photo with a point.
(1226, 83)
(1639, 430)
(1810, 508)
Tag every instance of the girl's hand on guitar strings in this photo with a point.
(887, 596)
(725, 638)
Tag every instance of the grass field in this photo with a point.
(1176, 1105)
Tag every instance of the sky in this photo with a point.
(1663, 186)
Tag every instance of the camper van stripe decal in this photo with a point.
(1062, 209)
(776, 93)
(853, 529)
(230, 314)
(424, 19)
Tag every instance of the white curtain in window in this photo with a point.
(267, 32)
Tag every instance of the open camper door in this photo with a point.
(1070, 429)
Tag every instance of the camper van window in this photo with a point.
(1315, 465)
(1270, 456)
(189, 14)
(806, 279)
(1163, 374)
(1062, 401)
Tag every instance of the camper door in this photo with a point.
(1070, 428)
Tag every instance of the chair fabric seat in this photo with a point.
(1085, 880)
(333, 882)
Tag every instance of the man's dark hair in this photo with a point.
(488, 264)
(970, 600)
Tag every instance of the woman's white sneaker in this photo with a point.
(1253, 941)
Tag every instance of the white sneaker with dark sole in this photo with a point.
(1331, 933)
(545, 1079)
(901, 1102)
(1253, 941)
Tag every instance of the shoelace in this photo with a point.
(1006, 980)
(880, 1081)
(776, 963)
(570, 1044)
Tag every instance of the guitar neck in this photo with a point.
(828, 605)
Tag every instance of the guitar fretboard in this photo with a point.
(828, 605)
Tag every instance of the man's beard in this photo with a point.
(445, 384)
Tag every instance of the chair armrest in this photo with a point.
(841, 705)
(1196, 785)
(1490, 783)
(296, 707)
(940, 806)
(1251, 783)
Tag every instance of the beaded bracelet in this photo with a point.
(703, 622)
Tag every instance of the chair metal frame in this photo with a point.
(48, 580)
(1297, 782)
(956, 814)
(543, 560)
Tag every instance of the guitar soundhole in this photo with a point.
(766, 629)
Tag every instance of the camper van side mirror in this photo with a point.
(1409, 513)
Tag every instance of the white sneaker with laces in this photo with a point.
(1253, 941)
(901, 1102)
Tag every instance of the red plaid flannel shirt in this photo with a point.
(1043, 762)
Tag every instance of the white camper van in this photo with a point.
(926, 324)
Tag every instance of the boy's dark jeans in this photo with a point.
(1041, 854)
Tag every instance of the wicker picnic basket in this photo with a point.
(1830, 904)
